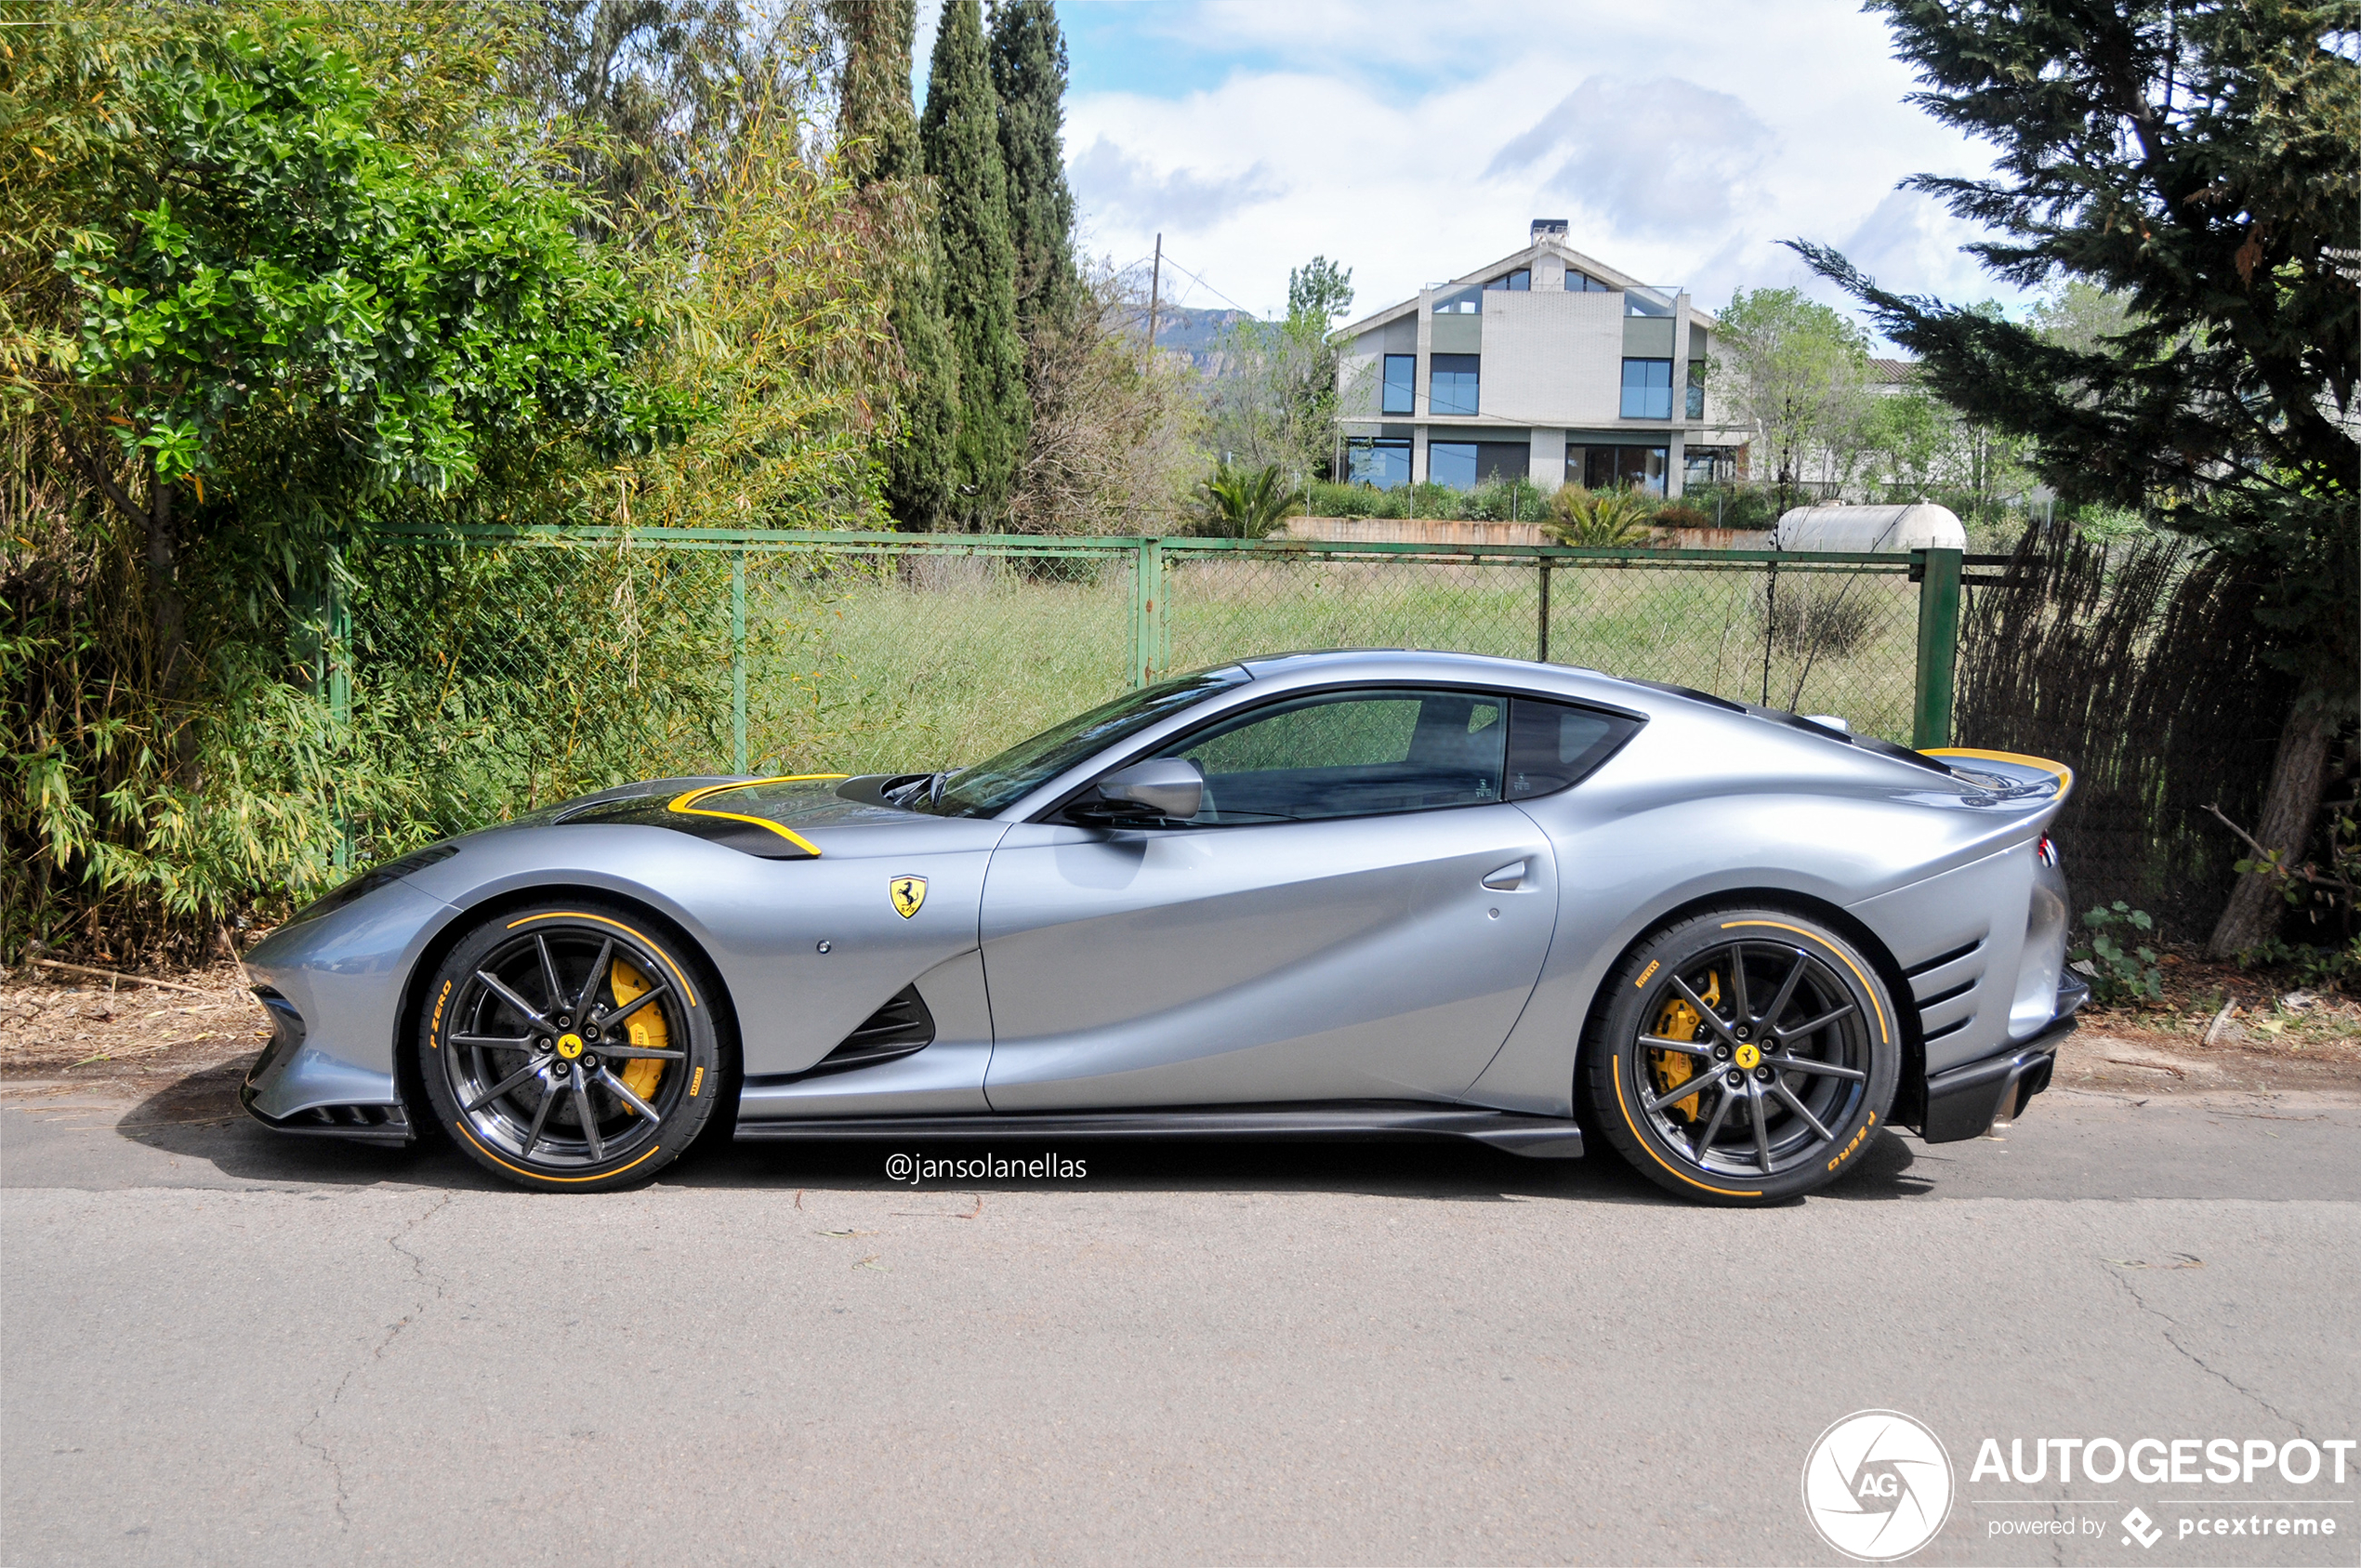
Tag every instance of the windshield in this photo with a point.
(995, 786)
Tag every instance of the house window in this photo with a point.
(1467, 302)
(1702, 466)
(1503, 460)
(1641, 301)
(1582, 282)
(1452, 463)
(1383, 461)
(1696, 389)
(1605, 467)
(1451, 383)
(1647, 388)
(1401, 384)
(1520, 281)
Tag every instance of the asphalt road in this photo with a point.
(222, 1347)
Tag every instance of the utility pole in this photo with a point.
(1156, 281)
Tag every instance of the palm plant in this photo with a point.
(1244, 503)
(1598, 518)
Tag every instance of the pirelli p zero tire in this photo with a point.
(1781, 1033)
(571, 1046)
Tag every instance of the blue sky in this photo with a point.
(1414, 141)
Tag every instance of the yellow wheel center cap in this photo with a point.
(1748, 1058)
(570, 1046)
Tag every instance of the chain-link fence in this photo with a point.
(517, 666)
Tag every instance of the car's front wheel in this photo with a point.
(571, 1048)
(1744, 1056)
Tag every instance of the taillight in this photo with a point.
(2046, 852)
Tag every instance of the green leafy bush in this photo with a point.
(2118, 975)
(1598, 518)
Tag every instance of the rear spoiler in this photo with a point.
(2008, 773)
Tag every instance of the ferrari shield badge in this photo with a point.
(908, 892)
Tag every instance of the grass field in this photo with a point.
(942, 662)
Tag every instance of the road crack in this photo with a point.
(2170, 1323)
(303, 1435)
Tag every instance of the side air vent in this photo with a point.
(1940, 959)
(900, 1027)
(1953, 995)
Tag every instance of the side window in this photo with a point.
(1350, 754)
(1553, 746)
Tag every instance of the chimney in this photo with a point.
(1548, 229)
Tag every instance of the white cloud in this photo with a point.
(1604, 148)
(1113, 185)
(1416, 142)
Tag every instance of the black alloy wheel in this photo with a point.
(569, 1047)
(1744, 1057)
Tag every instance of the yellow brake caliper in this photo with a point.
(639, 1075)
(1680, 1022)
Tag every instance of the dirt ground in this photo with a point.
(72, 1030)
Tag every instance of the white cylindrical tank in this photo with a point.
(1919, 526)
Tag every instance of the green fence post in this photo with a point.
(738, 660)
(336, 665)
(1541, 639)
(1938, 646)
(1150, 648)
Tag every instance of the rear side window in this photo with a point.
(1554, 745)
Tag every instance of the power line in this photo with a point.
(1208, 287)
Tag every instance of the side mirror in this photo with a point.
(1170, 787)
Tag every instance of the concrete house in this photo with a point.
(1546, 364)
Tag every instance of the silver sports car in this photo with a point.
(1348, 893)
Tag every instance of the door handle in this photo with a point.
(1508, 879)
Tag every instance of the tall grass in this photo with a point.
(867, 667)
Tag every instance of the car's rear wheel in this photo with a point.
(1780, 1033)
(569, 1047)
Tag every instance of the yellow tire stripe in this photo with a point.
(585, 914)
(1869, 990)
(686, 804)
(1622, 1105)
(2065, 774)
(536, 1176)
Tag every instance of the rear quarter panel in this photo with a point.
(1704, 807)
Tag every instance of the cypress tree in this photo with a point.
(1029, 74)
(960, 136)
(879, 126)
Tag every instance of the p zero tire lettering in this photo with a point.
(1743, 1056)
(568, 1047)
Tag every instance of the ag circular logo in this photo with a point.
(1876, 1485)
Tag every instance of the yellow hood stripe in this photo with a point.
(686, 804)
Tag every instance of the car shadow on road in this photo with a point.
(198, 1117)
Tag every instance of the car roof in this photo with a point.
(1314, 667)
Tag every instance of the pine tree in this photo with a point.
(879, 126)
(2197, 157)
(1029, 74)
(960, 136)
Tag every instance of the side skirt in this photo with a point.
(1535, 1137)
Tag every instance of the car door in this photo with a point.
(1354, 913)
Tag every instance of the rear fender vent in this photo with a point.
(1942, 958)
(1951, 995)
(900, 1028)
